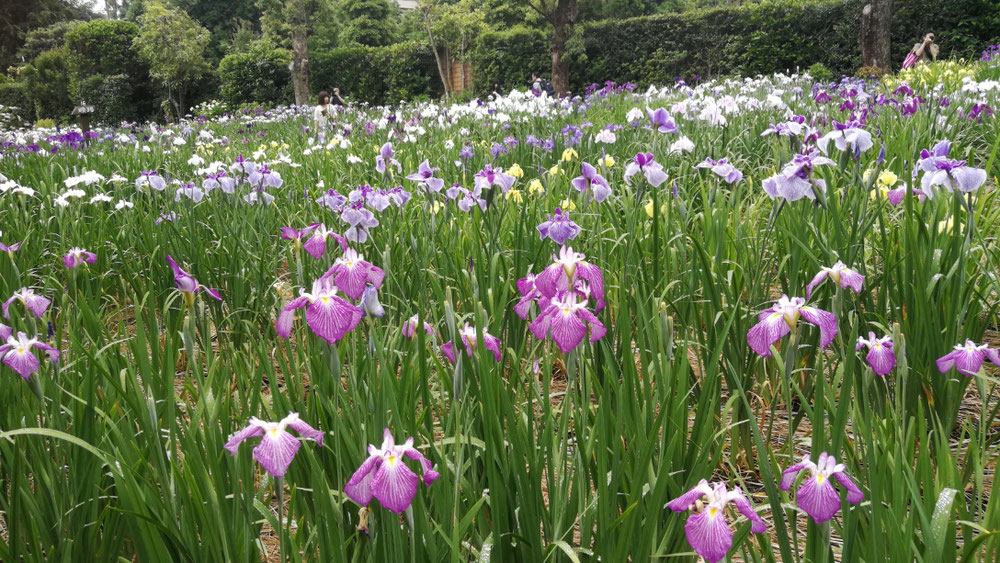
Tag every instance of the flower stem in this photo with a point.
(279, 486)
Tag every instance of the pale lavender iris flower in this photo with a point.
(723, 169)
(559, 227)
(490, 176)
(17, 354)
(951, 175)
(424, 176)
(385, 158)
(661, 120)
(151, 179)
(846, 137)
(797, 179)
(27, 297)
(840, 274)
(593, 182)
(644, 163)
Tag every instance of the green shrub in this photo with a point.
(104, 47)
(47, 83)
(819, 72)
(259, 74)
(45, 124)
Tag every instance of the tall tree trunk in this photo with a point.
(437, 55)
(562, 20)
(300, 52)
(876, 26)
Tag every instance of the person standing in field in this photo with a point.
(321, 116)
(920, 51)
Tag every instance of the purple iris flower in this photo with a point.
(188, 285)
(219, 180)
(316, 245)
(370, 305)
(380, 199)
(566, 316)
(259, 195)
(329, 316)
(385, 158)
(781, 318)
(662, 120)
(425, 177)
(293, 234)
(151, 179)
(277, 447)
(490, 176)
(846, 136)
(360, 221)
(817, 497)
(466, 152)
(263, 177)
(10, 250)
(952, 175)
(707, 529)
(468, 199)
(16, 352)
(410, 328)
(591, 180)
(723, 169)
(567, 270)
(880, 356)
(644, 163)
(529, 294)
(468, 336)
(386, 477)
(243, 166)
(968, 358)
(840, 274)
(333, 200)
(78, 257)
(34, 303)
(558, 227)
(191, 191)
(796, 179)
(351, 272)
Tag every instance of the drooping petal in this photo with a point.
(287, 316)
(826, 322)
(567, 331)
(52, 353)
(316, 245)
(685, 501)
(969, 362)
(448, 349)
(817, 498)
(788, 476)
(746, 509)
(818, 279)
(767, 332)
(851, 279)
(427, 468)
(359, 487)
(276, 451)
(251, 431)
(709, 534)
(395, 484)
(854, 494)
(881, 358)
(492, 343)
(22, 361)
(305, 430)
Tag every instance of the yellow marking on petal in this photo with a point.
(712, 512)
(819, 478)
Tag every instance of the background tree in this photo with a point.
(373, 23)
(561, 15)
(451, 28)
(222, 18)
(876, 25)
(290, 23)
(173, 45)
(18, 17)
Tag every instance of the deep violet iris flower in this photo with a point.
(188, 285)
(781, 318)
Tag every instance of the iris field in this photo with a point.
(749, 320)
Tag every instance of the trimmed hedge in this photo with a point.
(259, 74)
(377, 75)
(745, 39)
(14, 99)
